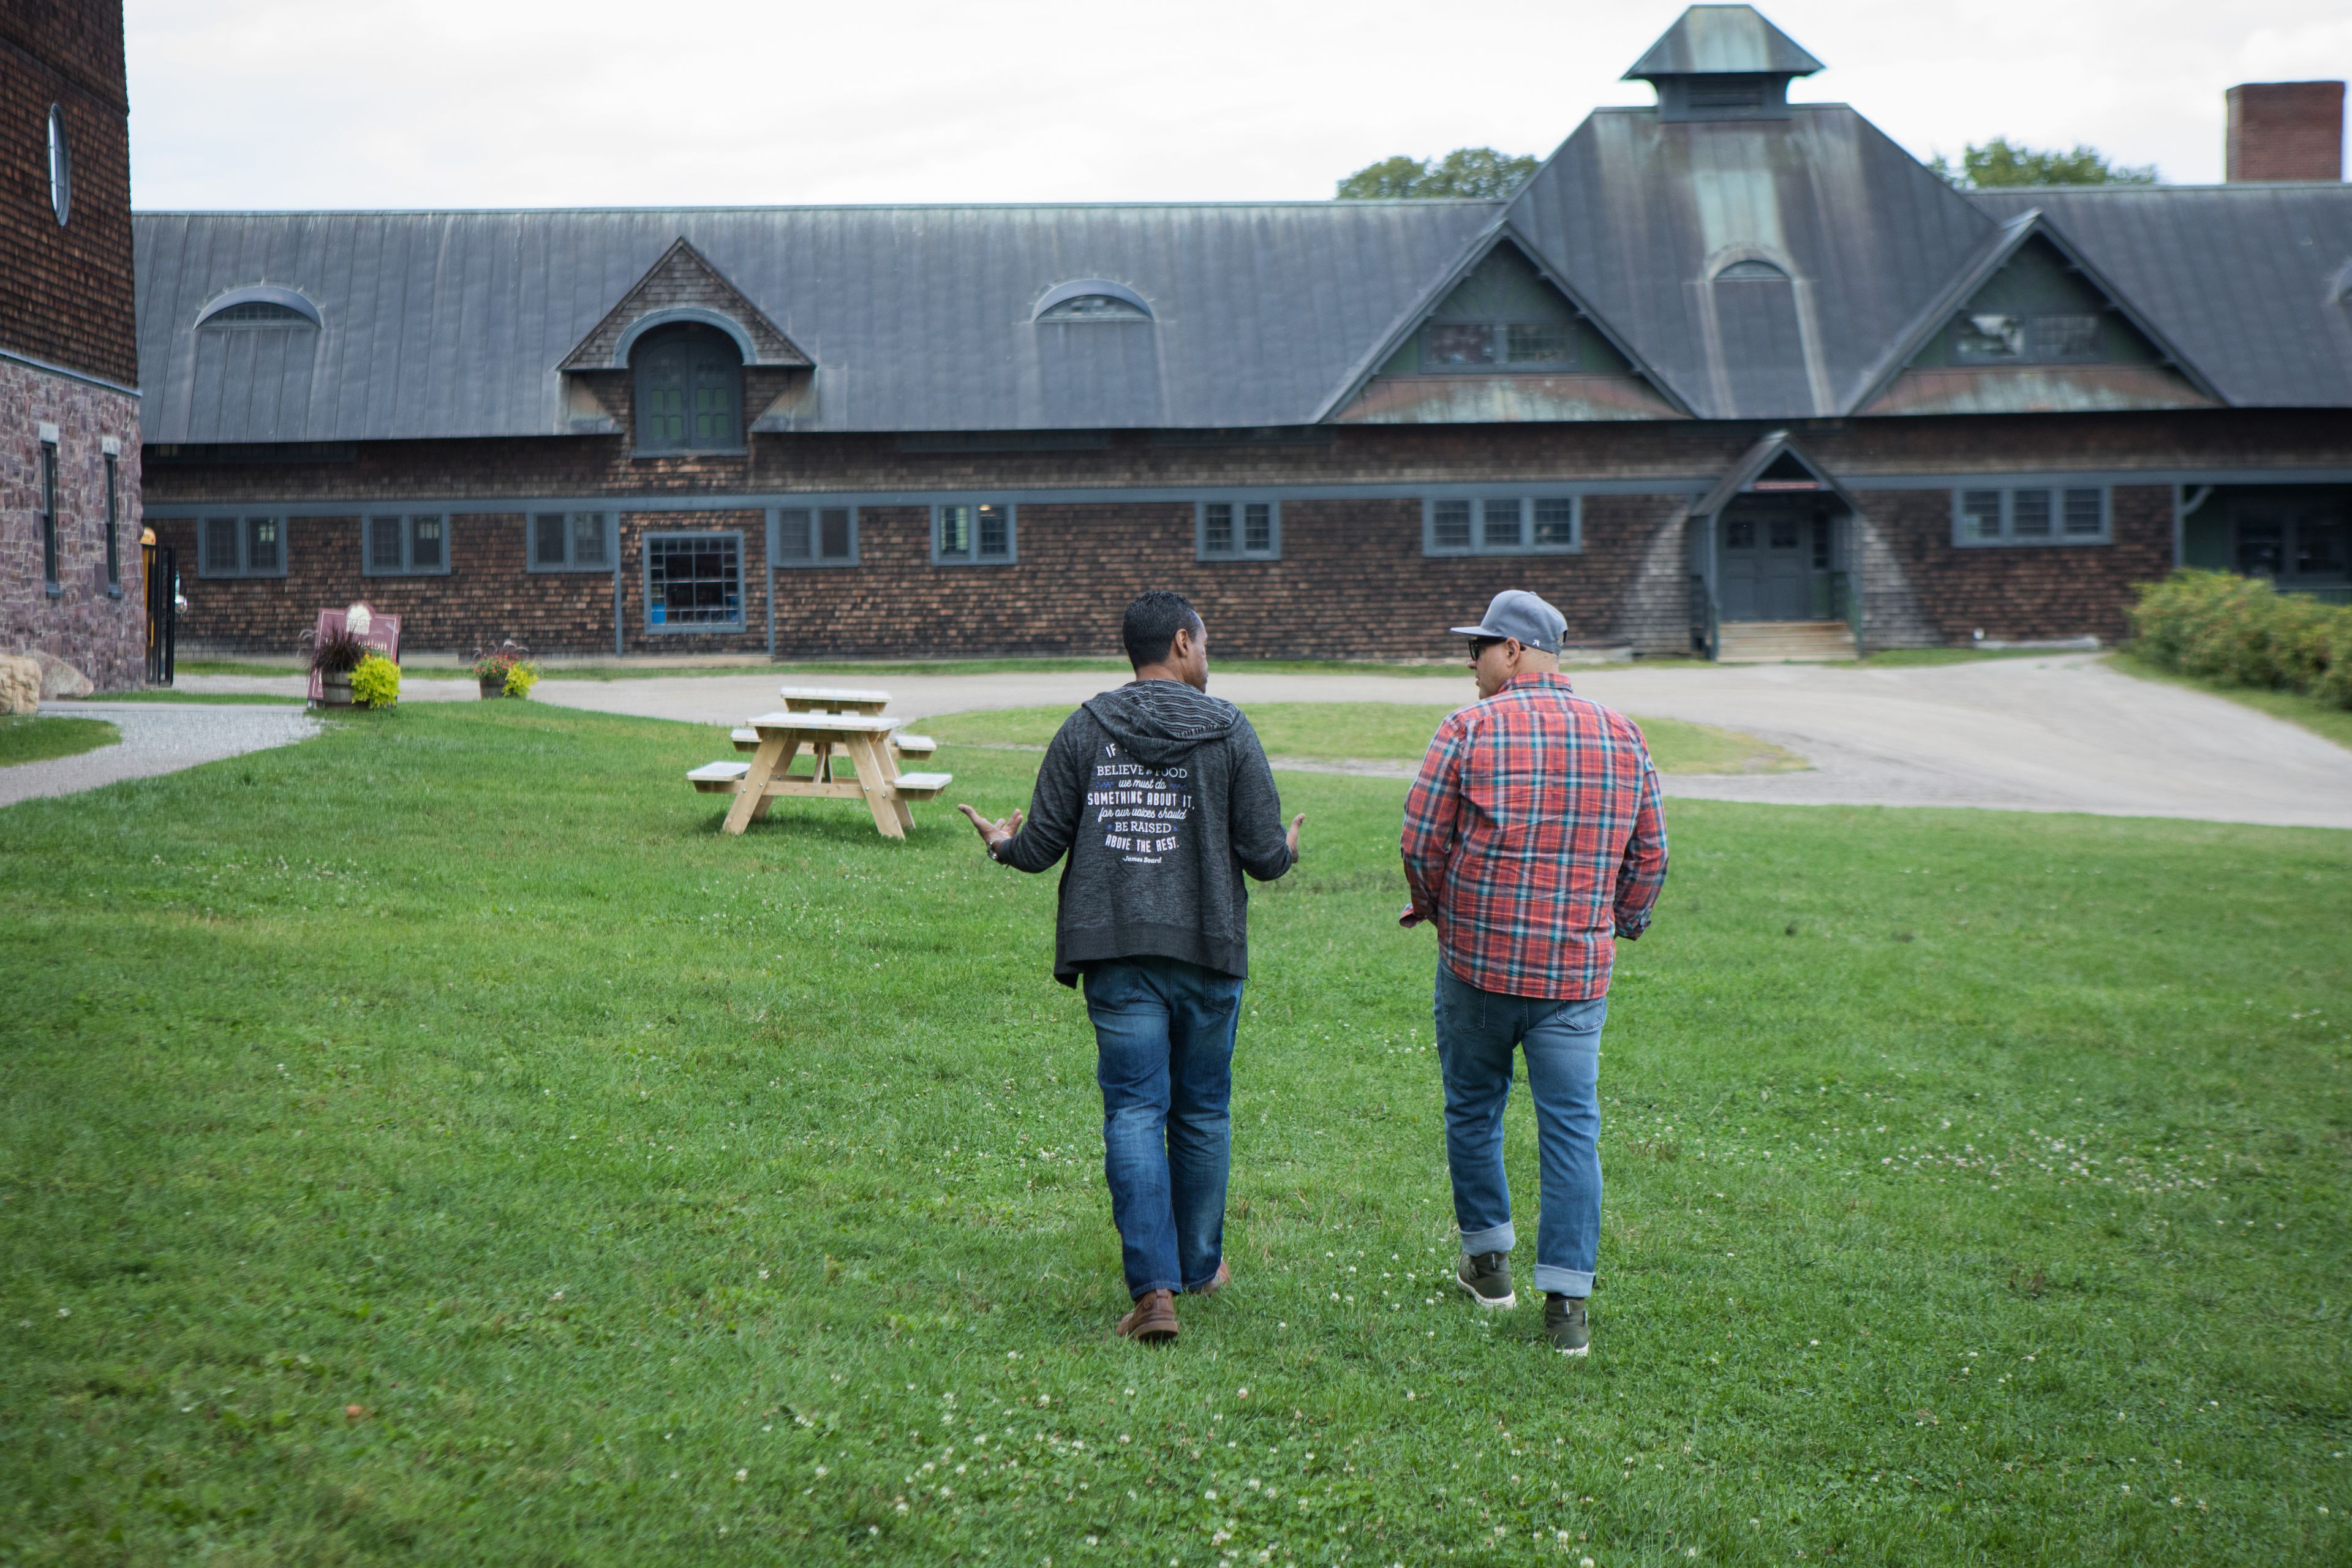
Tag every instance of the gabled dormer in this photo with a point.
(680, 358)
(2030, 328)
(1503, 340)
(1722, 62)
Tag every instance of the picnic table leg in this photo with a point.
(792, 751)
(887, 756)
(876, 785)
(751, 801)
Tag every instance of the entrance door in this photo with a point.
(1767, 562)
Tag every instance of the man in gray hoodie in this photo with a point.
(1161, 797)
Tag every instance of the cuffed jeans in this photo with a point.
(1164, 1057)
(1476, 1031)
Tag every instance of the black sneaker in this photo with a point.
(1486, 1279)
(1564, 1324)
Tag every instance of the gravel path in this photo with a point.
(157, 737)
(2057, 734)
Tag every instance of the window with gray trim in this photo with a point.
(1503, 525)
(60, 166)
(2031, 514)
(1239, 529)
(694, 582)
(409, 546)
(49, 516)
(1499, 345)
(113, 525)
(817, 536)
(973, 533)
(572, 541)
(241, 547)
(689, 389)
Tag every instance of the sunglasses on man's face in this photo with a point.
(1478, 646)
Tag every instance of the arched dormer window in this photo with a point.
(1092, 299)
(1751, 271)
(259, 305)
(689, 389)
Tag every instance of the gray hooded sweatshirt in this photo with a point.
(1162, 798)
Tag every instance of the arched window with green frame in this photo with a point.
(689, 389)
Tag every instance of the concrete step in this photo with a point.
(1783, 642)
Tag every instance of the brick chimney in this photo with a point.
(2285, 131)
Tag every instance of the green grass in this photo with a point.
(435, 1144)
(238, 667)
(28, 738)
(1381, 732)
(2295, 707)
(167, 694)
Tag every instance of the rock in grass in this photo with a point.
(20, 684)
(60, 679)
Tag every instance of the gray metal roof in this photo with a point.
(440, 324)
(1642, 212)
(1715, 40)
(2247, 281)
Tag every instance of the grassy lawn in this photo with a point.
(167, 694)
(30, 737)
(2295, 707)
(402, 1163)
(1381, 732)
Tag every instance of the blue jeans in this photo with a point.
(1164, 1056)
(1476, 1031)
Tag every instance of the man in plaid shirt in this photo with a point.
(1533, 839)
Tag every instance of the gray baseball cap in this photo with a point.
(1516, 613)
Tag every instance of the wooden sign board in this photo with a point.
(382, 635)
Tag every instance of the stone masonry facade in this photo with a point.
(97, 626)
(1351, 580)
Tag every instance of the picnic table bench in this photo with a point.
(835, 726)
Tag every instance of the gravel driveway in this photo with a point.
(2057, 734)
(157, 737)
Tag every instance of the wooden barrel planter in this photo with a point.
(493, 686)
(335, 689)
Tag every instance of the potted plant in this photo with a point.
(506, 671)
(375, 681)
(333, 657)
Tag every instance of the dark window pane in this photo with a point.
(955, 531)
(261, 544)
(792, 533)
(424, 543)
(548, 533)
(220, 545)
(2029, 515)
(1781, 533)
(1821, 544)
(996, 531)
(2318, 548)
(1556, 522)
(1217, 528)
(693, 579)
(1980, 514)
(2087, 513)
(1739, 534)
(588, 539)
(1450, 524)
(714, 407)
(2261, 548)
(1456, 344)
(1097, 307)
(1258, 527)
(1526, 342)
(383, 543)
(1990, 339)
(833, 530)
(1499, 522)
(113, 520)
(49, 499)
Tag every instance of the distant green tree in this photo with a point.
(1999, 163)
(1479, 172)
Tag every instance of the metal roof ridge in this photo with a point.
(1311, 203)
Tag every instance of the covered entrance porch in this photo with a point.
(1769, 574)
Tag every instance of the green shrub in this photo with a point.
(2243, 632)
(521, 679)
(375, 682)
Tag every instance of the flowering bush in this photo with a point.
(510, 665)
(375, 682)
(2241, 631)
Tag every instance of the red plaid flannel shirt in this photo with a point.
(1534, 836)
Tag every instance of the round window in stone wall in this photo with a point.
(60, 166)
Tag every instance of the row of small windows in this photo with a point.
(2030, 515)
(2050, 339)
(1472, 345)
(1503, 525)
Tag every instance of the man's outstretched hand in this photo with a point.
(995, 833)
(1291, 838)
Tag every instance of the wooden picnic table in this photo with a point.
(863, 739)
(831, 699)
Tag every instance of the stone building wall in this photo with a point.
(96, 627)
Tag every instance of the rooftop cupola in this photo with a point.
(1723, 62)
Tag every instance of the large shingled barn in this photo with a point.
(1724, 369)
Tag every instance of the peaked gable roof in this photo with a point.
(682, 287)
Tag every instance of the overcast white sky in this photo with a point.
(428, 103)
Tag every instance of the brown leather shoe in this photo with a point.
(1153, 1322)
(1224, 1278)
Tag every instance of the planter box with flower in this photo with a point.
(506, 671)
(334, 656)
